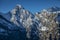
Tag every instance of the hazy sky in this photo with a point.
(31, 5)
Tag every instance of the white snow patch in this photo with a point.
(44, 28)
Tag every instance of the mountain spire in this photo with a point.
(19, 6)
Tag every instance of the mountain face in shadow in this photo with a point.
(21, 24)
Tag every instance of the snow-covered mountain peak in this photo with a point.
(44, 10)
(53, 9)
(19, 15)
(24, 23)
(17, 9)
(19, 6)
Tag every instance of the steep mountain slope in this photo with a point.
(49, 22)
(10, 31)
(17, 19)
(20, 24)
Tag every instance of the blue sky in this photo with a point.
(31, 5)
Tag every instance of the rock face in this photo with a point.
(20, 24)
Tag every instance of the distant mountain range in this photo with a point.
(21, 24)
